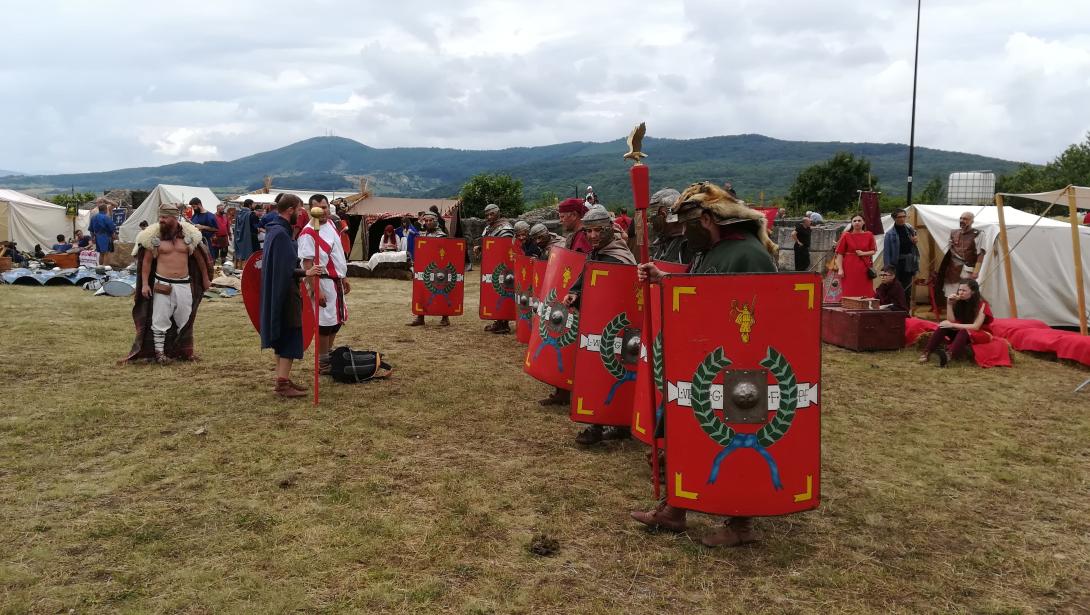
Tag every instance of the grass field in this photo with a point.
(190, 489)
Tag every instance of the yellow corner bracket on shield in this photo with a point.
(636, 424)
(681, 493)
(594, 276)
(809, 290)
(678, 292)
(809, 493)
(579, 409)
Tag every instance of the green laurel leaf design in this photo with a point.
(609, 334)
(657, 364)
(572, 333)
(428, 282)
(498, 274)
(775, 429)
(717, 430)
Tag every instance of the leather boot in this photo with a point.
(444, 321)
(284, 389)
(416, 322)
(558, 397)
(500, 327)
(662, 516)
(616, 433)
(590, 435)
(162, 359)
(734, 532)
(292, 384)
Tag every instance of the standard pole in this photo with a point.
(912, 128)
(1006, 255)
(1080, 292)
(641, 196)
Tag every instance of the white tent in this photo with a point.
(28, 221)
(1059, 197)
(1042, 261)
(149, 209)
(262, 198)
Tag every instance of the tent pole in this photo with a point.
(1006, 255)
(1076, 249)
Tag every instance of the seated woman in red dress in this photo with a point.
(853, 259)
(966, 313)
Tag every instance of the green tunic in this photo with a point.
(746, 255)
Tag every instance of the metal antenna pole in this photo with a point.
(912, 129)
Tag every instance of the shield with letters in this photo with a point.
(438, 276)
(610, 318)
(525, 300)
(498, 278)
(742, 357)
(651, 364)
(550, 356)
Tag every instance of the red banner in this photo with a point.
(872, 213)
(641, 407)
(550, 356)
(743, 369)
(438, 276)
(610, 318)
(498, 278)
(525, 301)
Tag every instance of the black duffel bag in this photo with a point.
(352, 366)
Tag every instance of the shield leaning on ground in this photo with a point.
(251, 298)
(550, 357)
(651, 363)
(742, 356)
(610, 319)
(438, 276)
(525, 301)
(498, 278)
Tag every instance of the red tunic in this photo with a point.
(856, 283)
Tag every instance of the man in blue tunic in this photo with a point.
(103, 228)
(281, 305)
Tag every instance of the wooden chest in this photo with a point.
(64, 261)
(863, 329)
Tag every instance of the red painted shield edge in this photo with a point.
(524, 287)
(734, 469)
(610, 306)
(496, 253)
(641, 409)
(427, 252)
(251, 298)
(552, 360)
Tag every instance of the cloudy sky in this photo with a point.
(110, 83)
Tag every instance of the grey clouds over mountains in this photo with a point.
(96, 86)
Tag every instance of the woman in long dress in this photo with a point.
(854, 252)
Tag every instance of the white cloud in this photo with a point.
(210, 80)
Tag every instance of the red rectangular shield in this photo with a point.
(525, 301)
(641, 407)
(554, 337)
(498, 278)
(610, 319)
(743, 408)
(438, 276)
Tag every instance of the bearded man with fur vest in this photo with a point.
(172, 273)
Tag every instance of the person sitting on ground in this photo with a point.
(389, 241)
(889, 291)
(81, 240)
(966, 312)
(8, 249)
(61, 246)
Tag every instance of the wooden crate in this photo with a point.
(64, 261)
(859, 303)
(5, 263)
(863, 329)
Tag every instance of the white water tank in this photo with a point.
(971, 188)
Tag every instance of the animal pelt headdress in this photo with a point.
(149, 238)
(709, 197)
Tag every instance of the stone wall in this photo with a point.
(822, 241)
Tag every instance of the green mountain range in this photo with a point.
(754, 163)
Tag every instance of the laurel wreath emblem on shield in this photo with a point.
(450, 280)
(498, 275)
(723, 434)
(557, 335)
(613, 364)
(525, 304)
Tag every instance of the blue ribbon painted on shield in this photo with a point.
(442, 294)
(746, 440)
(551, 341)
(629, 376)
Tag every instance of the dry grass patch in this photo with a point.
(190, 489)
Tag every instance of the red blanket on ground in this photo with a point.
(1074, 347)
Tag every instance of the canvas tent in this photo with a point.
(263, 197)
(1041, 258)
(1059, 197)
(149, 209)
(28, 221)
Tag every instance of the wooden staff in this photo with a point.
(1006, 255)
(316, 224)
(641, 196)
(1080, 292)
